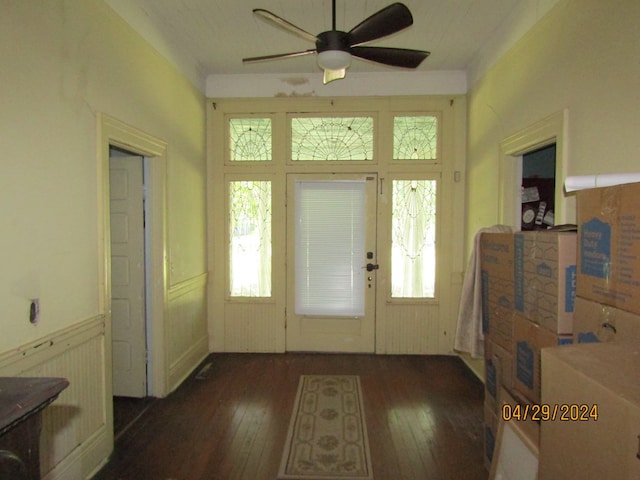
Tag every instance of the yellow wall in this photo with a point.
(63, 62)
(584, 55)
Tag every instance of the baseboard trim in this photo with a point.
(187, 363)
(475, 364)
(95, 451)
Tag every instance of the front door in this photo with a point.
(331, 262)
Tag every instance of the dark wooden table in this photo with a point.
(22, 400)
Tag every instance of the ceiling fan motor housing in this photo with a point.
(332, 40)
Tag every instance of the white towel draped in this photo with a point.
(469, 336)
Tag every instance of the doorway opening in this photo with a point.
(526, 157)
(151, 154)
(129, 265)
(538, 188)
(130, 323)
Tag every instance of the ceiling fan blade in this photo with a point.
(278, 55)
(396, 57)
(279, 22)
(389, 20)
(331, 75)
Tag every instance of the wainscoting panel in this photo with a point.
(253, 327)
(412, 329)
(75, 436)
(187, 339)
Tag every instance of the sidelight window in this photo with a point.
(250, 238)
(413, 239)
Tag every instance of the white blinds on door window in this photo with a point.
(330, 248)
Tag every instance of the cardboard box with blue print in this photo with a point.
(528, 340)
(595, 322)
(515, 411)
(609, 246)
(498, 372)
(490, 432)
(493, 416)
(496, 255)
(497, 271)
(545, 278)
(497, 309)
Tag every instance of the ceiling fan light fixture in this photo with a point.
(334, 59)
(335, 48)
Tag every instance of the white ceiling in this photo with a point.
(210, 37)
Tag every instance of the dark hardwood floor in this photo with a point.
(126, 411)
(424, 418)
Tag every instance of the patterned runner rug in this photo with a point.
(327, 436)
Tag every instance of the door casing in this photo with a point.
(403, 326)
(112, 132)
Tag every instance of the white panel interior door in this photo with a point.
(128, 277)
(331, 239)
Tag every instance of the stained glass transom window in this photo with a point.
(250, 139)
(332, 138)
(250, 238)
(415, 138)
(413, 243)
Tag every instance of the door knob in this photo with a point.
(372, 266)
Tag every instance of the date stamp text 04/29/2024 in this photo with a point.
(567, 412)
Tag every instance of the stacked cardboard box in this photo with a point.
(595, 322)
(546, 278)
(498, 289)
(597, 378)
(595, 433)
(528, 288)
(529, 339)
(608, 277)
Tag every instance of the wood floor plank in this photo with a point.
(424, 419)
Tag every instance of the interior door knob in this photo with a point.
(372, 266)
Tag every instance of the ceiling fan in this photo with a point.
(335, 48)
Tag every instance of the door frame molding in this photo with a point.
(552, 129)
(112, 132)
(244, 324)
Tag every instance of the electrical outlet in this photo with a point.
(34, 311)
